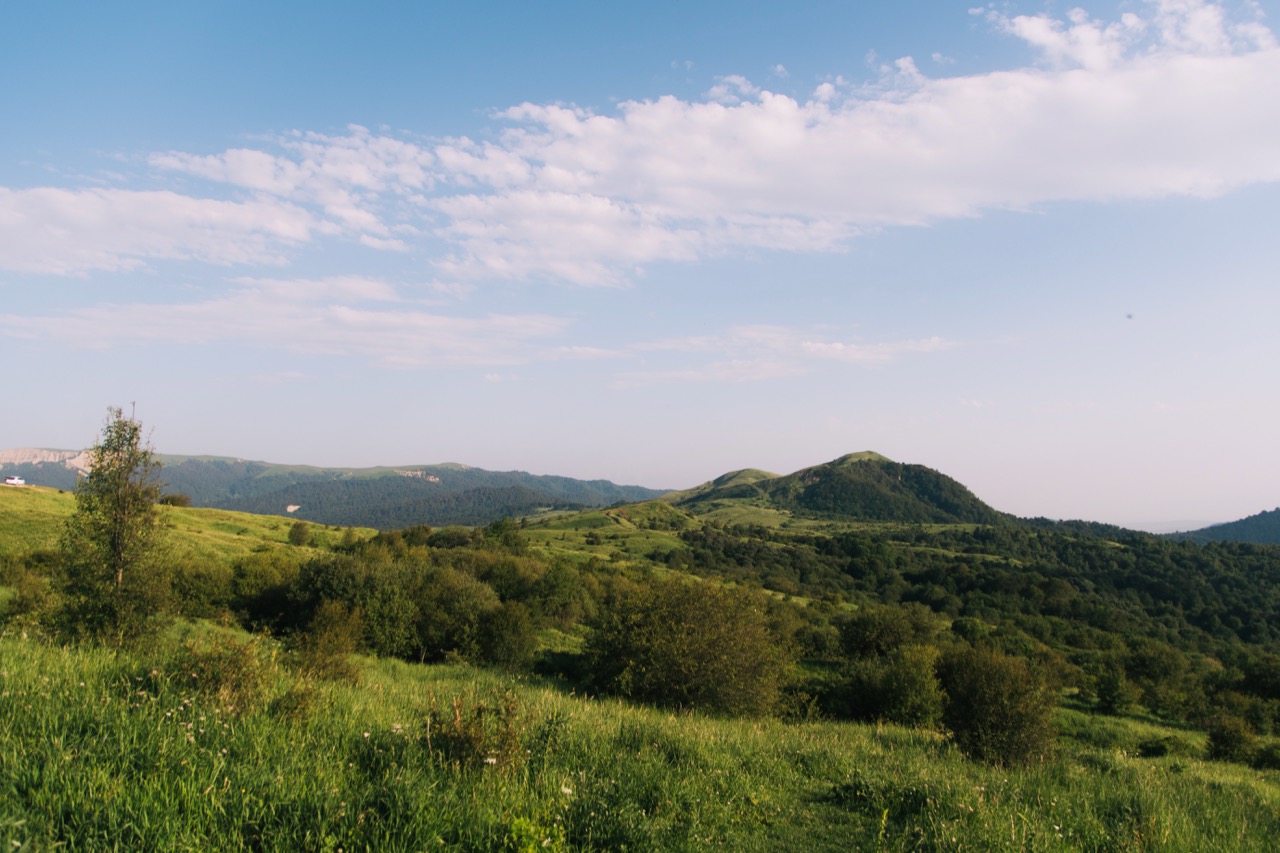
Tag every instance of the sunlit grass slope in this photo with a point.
(32, 518)
(101, 750)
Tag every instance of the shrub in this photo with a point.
(689, 645)
(508, 637)
(325, 648)
(450, 608)
(900, 687)
(1116, 694)
(1267, 758)
(997, 707)
(300, 534)
(476, 735)
(874, 631)
(909, 689)
(1230, 739)
(235, 675)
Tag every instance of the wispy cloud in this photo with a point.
(324, 317)
(762, 352)
(72, 232)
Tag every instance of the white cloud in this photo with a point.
(322, 317)
(1176, 103)
(1176, 100)
(71, 232)
(762, 352)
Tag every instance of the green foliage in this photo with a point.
(114, 584)
(175, 499)
(873, 631)
(300, 534)
(997, 707)
(324, 650)
(1115, 694)
(1230, 739)
(234, 675)
(900, 687)
(451, 606)
(689, 645)
(476, 734)
(508, 636)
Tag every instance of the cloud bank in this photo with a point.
(1178, 101)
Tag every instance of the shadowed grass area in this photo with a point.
(210, 743)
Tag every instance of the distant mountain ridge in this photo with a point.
(382, 497)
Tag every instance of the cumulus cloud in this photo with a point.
(1178, 102)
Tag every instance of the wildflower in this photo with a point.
(366, 734)
(566, 790)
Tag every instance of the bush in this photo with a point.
(909, 688)
(874, 631)
(1230, 739)
(1267, 758)
(508, 636)
(300, 534)
(324, 650)
(997, 707)
(235, 675)
(900, 687)
(476, 735)
(689, 645)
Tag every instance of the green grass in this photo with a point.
(120, 751)
(34, 517)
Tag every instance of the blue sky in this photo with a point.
(1030, 245)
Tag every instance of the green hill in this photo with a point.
(856, 487)
(1260, 529)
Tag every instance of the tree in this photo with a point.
(114, 585)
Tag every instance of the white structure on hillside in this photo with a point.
(14, 480)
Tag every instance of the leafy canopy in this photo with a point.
(113, 583)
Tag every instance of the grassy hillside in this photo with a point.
(125, 750)
(33, 517)
(209, 740)
(859, 487)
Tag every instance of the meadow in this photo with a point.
(211, 737)
(210, 741)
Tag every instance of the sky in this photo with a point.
(1030, 245)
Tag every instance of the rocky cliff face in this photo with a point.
(75, 460)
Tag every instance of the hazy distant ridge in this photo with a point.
(382, 497)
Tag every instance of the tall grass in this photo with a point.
(212, 744)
